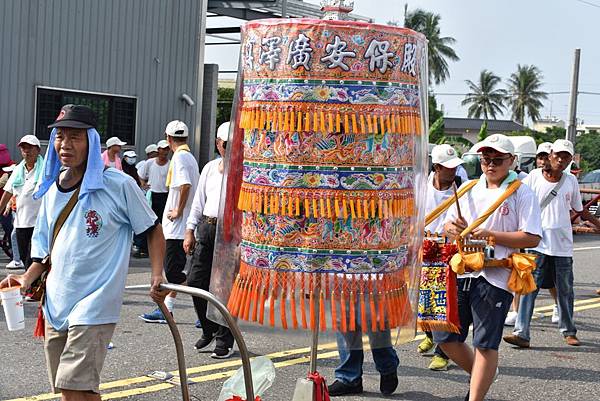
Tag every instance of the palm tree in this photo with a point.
(439, 47)
(524, 94)
(484, 98)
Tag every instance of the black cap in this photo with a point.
(75, 116)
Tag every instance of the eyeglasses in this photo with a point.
(496, 161)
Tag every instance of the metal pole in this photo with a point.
(315, 334)
(283, 8)
(235, 330)
(572, 128)
(185, 391)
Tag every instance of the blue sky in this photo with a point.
(497, 35)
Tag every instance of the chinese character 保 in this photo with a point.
(300, 52)
(336, 54)
(378, 55)
(270, 55)
(410, 59)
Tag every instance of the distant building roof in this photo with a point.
(451, 123)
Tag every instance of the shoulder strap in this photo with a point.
(512, 188)
(445, 205)
(64, 214)
(554, 192)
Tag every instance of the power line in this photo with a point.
(548, 93)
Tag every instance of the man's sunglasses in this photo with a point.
(496, 161)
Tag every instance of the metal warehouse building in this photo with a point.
(138, 63)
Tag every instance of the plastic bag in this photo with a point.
(263, 376)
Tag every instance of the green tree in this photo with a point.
(436, 131)
(483, 131)
(550, 135)
(587, 147)
(484, 98)
(224, 104)
(439, 47)
(434, 112)
(524, 93)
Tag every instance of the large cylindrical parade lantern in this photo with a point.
(325, 177)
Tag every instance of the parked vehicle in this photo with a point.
(590, 181)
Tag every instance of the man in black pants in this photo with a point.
(23, 183)
(181, 180)
(203, 218)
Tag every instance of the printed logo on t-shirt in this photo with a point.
(568, 198)
(93, 223)
(504, 209)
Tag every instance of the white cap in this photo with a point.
(31, 140)
(498, 142)
(545, 147)
(563, 145)
(129, 153)
(9, 169)
(177, 129)
(162, 144)
(114, 141)
(151, 148)
(446, 156)
(223, 131)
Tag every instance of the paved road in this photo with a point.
(548, 371)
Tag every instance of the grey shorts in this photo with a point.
(483, 305)
(75, 357)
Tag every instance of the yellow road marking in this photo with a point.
(580, 302)
(591, 303)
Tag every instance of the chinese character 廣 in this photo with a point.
(300, 52)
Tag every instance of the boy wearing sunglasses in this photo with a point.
(483, 296)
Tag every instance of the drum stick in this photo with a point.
(456, 201)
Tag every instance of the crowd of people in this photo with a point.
(168, 209)
(536, 218)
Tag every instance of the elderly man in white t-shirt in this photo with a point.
(154, 177)
(483, 296)
(444, 176)
(558, 193)
(182, 179)
(23, 183)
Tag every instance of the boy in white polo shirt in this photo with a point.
(483, 296)
(558, 193)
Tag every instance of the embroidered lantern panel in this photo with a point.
(331, 120)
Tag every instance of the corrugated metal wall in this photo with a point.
(142, 48)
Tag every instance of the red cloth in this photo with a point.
(321, 391)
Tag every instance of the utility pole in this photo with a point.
(572, 128)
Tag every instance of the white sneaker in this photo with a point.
(555, 318)
(511, 318)
(14, 265)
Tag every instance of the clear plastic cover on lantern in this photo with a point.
(325, 180)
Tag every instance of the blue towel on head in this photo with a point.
(92, 178)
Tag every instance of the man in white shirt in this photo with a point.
(182, 179)
(203, 220)
(154, 177)
(483, 296)
(541, 158)
(151, 152)
(445, 162)
(23, 183)
(558, 193)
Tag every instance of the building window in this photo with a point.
(116, 114)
